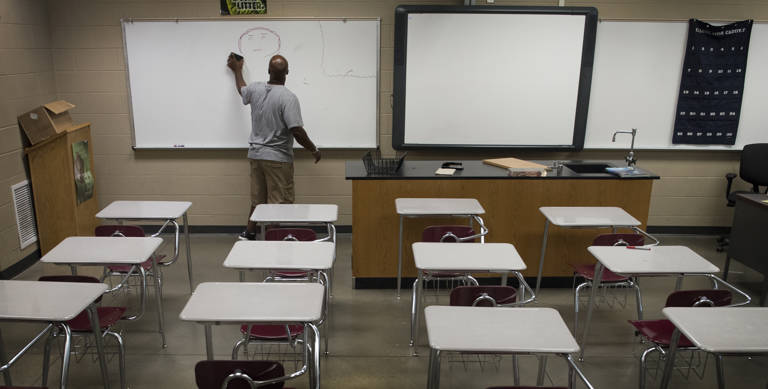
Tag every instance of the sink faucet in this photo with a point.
(630, 158)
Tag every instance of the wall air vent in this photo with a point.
(25, 213)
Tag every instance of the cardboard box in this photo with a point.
(46, 121)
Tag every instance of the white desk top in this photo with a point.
(280, 255)
(439, 206)
(721, 329)
(588, 216)
(499, 330)
(240, 302)
(295, 213)
(657, 260)
(490, 257)
(144, 210)
(46, 301)
(102, 250)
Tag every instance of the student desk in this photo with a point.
(748, 236)
(163, 211)
(424, 207)
(718, 330)
(112, 251)
(55, 303)
(511, 207)
(433, 257)
(313, 257)
(582, 217)
(323, 214)
(657, 261)
(497, 330)
(257, 302)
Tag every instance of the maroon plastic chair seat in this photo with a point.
(588, 271)
(108, 316)
(659, 332)
(127, 231)
(293, 234)
(272, 331)
(211, 374)
(466, 295)
(443, 234)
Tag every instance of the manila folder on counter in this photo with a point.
(515, 164)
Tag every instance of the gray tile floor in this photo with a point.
(369, 335)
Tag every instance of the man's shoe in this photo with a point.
(245, 235)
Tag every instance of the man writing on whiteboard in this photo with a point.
(275, 123)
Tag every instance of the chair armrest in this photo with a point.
(729, 177)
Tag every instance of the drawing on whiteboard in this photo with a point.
(259, 41)
(349, 72)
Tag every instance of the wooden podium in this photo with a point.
(52, 173)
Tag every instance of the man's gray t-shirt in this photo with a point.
(274, 111)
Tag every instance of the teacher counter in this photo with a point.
(511, 206)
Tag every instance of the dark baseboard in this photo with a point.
(407, 282)
(18, 267)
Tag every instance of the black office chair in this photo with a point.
(753, 169)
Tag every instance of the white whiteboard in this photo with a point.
(492, 79)
(636, 79)
(183, 95)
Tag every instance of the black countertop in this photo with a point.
(475, 169)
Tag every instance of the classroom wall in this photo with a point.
(26, 81)
(89, 70)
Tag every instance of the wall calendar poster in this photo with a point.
(712, 83)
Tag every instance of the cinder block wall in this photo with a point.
(86, 47)
(26, 81)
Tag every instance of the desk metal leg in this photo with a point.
(541, 258)
(159, 298)
(433, 375)
(669, 365)
(591, 306)
(67, 351)
(209, 342)
(315, 355)
(720, 373)
(94, 316)
(189, 253)
(400, 257)
(542, 370)
(3, 361)
(415, 305)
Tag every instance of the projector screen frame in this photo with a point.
(400, 62)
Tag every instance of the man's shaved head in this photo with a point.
(278, 67)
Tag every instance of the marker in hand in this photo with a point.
(639, 248)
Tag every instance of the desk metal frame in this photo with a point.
(93, 315)
(166, 222)
(678, 284)
(473, 217)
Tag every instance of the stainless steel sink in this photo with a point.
(587, 168)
